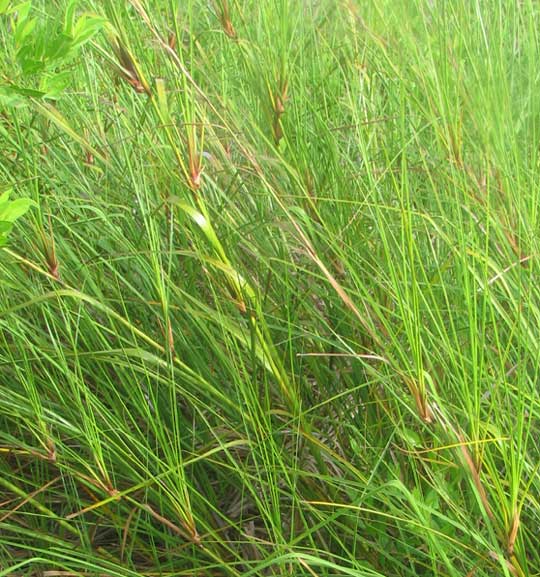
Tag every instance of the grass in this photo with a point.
(276, 311)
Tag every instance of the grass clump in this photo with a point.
(275, 310)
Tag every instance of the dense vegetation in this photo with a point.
(271, 306)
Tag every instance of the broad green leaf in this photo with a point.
(11, 211)
(21, 91)
(4, 198)
(59, 47)
(4, 5)
(55, 84)
(86, 27)
(69, 17)
(27, 56)
(23, 29)
(411, 437)
(21, 10)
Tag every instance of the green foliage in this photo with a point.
(44, 49)
(10, 211)
(278, 311)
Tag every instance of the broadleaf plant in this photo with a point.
(40, 51)
(10, 211)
